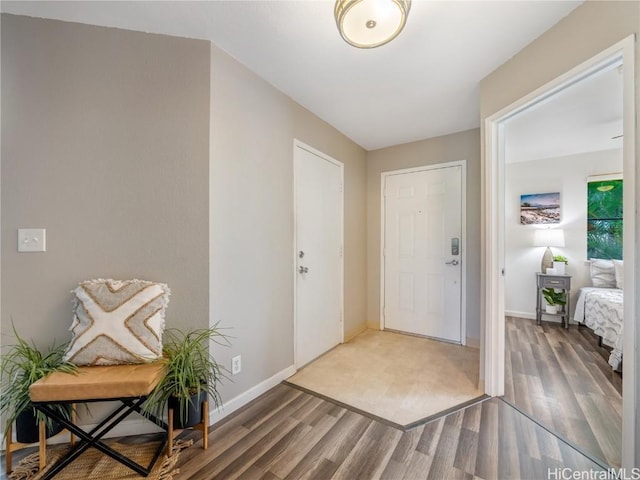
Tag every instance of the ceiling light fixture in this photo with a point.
(370, 23)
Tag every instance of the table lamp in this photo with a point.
(549, 237)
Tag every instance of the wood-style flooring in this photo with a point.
(290, 434)
(561, 378)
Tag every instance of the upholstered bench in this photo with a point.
(128, 384)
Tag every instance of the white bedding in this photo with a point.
(601, 309)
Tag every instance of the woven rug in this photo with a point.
(94, 464)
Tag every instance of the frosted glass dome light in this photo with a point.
(370, 23)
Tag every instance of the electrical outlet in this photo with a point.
(236, 365)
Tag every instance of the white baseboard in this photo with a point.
(217, 414)
(532, 316)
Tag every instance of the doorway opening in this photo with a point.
(494, 248)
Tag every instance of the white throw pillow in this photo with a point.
(603, 273)
(117, 322)
(619, 272)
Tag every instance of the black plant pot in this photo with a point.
(194, 410)
(27, 427)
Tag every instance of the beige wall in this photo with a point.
(448, 148)
(588, 30)
(253, 126)
(106, 145)
(162, 158)
(585, 32)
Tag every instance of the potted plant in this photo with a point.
(559, 264)
(554, 299)
(21, 365)
(192, 375)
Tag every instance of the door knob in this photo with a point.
(452, 262)
(303, 269)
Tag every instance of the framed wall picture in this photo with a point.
(540, 208)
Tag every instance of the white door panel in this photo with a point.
(319, 237)
(422, 214)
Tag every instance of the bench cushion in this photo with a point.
(98, 382)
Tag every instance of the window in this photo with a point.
(604, 217)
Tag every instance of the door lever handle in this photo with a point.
(303, 269)
(452, 262)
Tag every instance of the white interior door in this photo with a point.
(423, 252)
(318, 255)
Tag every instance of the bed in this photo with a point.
(601, 309)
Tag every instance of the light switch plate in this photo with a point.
(32, 240)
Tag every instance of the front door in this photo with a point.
(423, 252)
(318, 253)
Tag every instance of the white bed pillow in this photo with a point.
(603, 273)
(117, 322)
(619, 273)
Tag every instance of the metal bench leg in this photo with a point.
(93, 438)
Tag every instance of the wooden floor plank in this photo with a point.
(371, 454)
(292, 455)
(466, 451)
(487, 456)
(341, 437)
(394, 470)
(419, 466)
(561, 378)
(429, 438)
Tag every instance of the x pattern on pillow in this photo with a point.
(117, 322)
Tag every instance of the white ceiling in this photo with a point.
(583, 118)
(421, 85)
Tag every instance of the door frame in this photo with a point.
(463, 240)
(493, 226)
(296, 145)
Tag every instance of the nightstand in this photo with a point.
(562, 282)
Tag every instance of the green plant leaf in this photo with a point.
(190, 369)
(23, 364)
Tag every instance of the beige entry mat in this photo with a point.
(399, 378)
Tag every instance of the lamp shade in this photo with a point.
(550, 237)
(370, 23)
